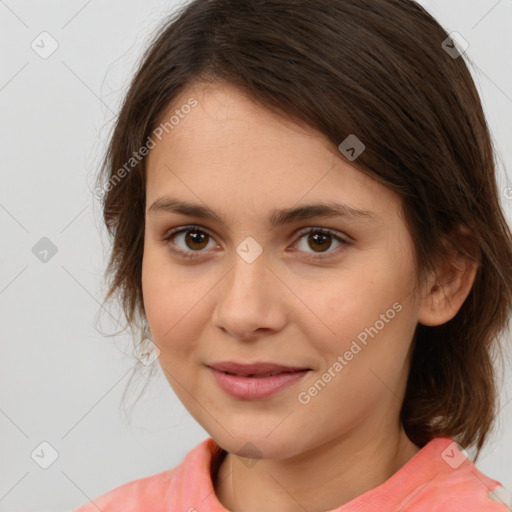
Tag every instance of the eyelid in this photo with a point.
(166, 239)
(340, 237)
(329, 231)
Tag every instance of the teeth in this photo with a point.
(270, 374)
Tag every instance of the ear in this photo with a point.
(447, 289)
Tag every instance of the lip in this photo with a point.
(247, 369)
(245, 381)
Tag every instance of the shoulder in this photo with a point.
(163, 491)
(459, 487)
(148, 492)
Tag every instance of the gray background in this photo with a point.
(61, 378)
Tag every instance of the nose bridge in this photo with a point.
(249, 272)
(247, 302)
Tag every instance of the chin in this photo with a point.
(256, 445)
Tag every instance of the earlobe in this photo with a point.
(447, 291)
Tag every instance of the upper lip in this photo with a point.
(253, 368)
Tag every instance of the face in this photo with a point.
(330, 295)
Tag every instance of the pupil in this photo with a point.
(315, 238)
(195, 238)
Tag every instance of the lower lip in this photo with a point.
(256, 388)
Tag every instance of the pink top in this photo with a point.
(439, 478)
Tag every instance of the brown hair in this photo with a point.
(376, 69)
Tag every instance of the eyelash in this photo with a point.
(195, 254)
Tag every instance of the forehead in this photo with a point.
(232, 154)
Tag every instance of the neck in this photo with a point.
(323, 478)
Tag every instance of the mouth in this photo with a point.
(255, 381)
(261, 375)
(255, 370)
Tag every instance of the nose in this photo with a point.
(251, 300)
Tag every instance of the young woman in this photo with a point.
(305, 220)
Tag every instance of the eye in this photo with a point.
(189, 241)
(321, 239)
(192, 238)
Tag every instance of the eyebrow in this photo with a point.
(277, 218)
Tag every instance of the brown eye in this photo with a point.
(191, 242)
(322, 241)
(319, 241)
(188, 242)
(196, 240)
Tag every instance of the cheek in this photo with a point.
(156, 301)
(175, 304)
(164, 300)
(365, 312)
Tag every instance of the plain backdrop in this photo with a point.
(61, 378)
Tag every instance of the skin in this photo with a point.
(244, 162)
